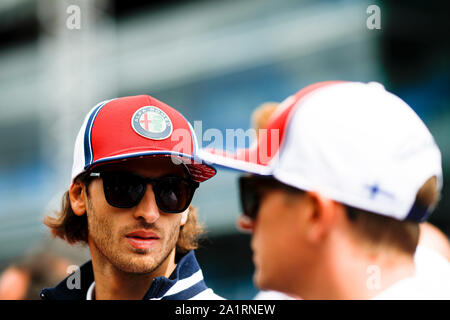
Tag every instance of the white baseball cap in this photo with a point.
(353, 142)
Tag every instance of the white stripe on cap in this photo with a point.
(234, 163)
(79, 149)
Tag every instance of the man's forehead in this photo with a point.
(148, 166)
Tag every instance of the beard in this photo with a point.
(112, 247)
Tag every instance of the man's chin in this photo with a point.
(137, 265)
(258, 280)
(259, 276)
(262, 281)
(141, 252)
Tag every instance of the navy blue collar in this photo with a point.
(185, 282)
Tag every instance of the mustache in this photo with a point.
(142, 226)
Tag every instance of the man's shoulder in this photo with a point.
(430, 281)
(207, 294)
(73, 287)
(186, 283)
(415, 289)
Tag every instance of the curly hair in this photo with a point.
(74, 229)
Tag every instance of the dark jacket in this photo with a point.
(185, 283)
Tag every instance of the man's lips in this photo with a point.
(142, 239)
(143, 234)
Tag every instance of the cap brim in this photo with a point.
(199, 169)
(239, 161)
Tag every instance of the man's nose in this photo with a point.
(147, 209)
(245, 223)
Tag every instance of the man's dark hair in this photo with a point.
(382, 231)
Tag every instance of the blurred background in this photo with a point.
(214, 61)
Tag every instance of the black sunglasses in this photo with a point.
(252, 190)
(173, 194)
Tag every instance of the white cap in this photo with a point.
(352, 142)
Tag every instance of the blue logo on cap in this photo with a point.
(152, 123)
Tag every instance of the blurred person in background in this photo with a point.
(133, 179)
(24, 279)
(259, 120)
(433, 244)
(434, 239)
(430, 236)
(335, 209)
(432, 254)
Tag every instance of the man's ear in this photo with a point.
(245, 224)
(77, 198)
(184, 216)
(322, 217)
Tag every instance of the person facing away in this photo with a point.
(134, 175)
(433, 246)
(336, 186)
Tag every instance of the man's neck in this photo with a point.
(366, 276)
(352, 274)
(114, 284)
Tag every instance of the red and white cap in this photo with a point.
(136, 126)
(352, 142)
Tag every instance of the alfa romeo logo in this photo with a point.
(152, 123)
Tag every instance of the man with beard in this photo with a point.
(133, 178)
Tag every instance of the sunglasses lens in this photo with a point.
(249, 197)
(173, 194)
(123, 190)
